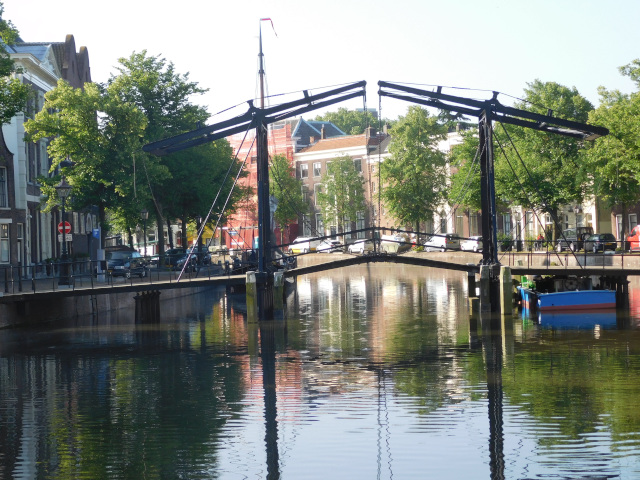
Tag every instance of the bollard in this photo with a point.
(485, 288)
(506, 291)
(252, 297)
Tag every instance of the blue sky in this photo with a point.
(486, 45)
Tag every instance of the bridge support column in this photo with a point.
(260, 296)
(147, 305)
(506, 291)
(485, 288)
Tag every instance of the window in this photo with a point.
(319, 224)
(360, 224)
(357, 162)
(373, 187)
(4, 243)
(20, 242)
(506, 219)
(306, 226)
(254, 159)
(4, 198)
(373, 169)
(619, 226)
(443, 222)
(316, 169)
(346, 222)
(528, 226)
(633, 220)
(305, 193)
(317, 190)
(304, 170)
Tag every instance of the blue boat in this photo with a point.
(576, 300)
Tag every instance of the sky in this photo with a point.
(483, 46)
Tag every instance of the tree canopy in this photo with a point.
(13, 93)
(342, 195)
(539, 169)
(102, 130)
(287, 190)
(351, 122)
(611, 165)
(414, 176)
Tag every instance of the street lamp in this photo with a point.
(63, 189)
(145, 215)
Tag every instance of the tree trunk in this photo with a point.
(170, 233)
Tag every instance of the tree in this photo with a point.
(351, 122)
(414, 177)
(287, 190)
(611, 166)
(540, 168)
(13, 93)
(100, 133)
(342, 195)
(193, 176)
(465, 181)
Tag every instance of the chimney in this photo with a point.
(322, 133)
(370, 132)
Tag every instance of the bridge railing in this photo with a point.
(85, 273)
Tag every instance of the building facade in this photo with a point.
(29, 236)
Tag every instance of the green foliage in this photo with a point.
(465, 163)
(287, 189)
(415, 175)
(102, 129)
(612, 163)
(351, 122)
(100, 132)
(13, 93)
(539, 169)
(342, 195)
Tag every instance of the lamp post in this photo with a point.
(63, 189)
(145, 215)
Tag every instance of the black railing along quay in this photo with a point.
(84, 277)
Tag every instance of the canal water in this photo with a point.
(374, 373)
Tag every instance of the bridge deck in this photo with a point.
(458, 261)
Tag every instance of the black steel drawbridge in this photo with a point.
(486, 111)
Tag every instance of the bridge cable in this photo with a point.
(224, 181)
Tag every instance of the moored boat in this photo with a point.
(576, 300)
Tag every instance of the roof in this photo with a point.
(309, 131)
(349, 141)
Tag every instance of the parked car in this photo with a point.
(125, 263)
(633, 239)
(573, 238)
(172, 255)
(600, 241)
(329, 246)
(304, 245)
(361, 246)
(442, 242)
(195, 257)
(472, 244)
(398, 243)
